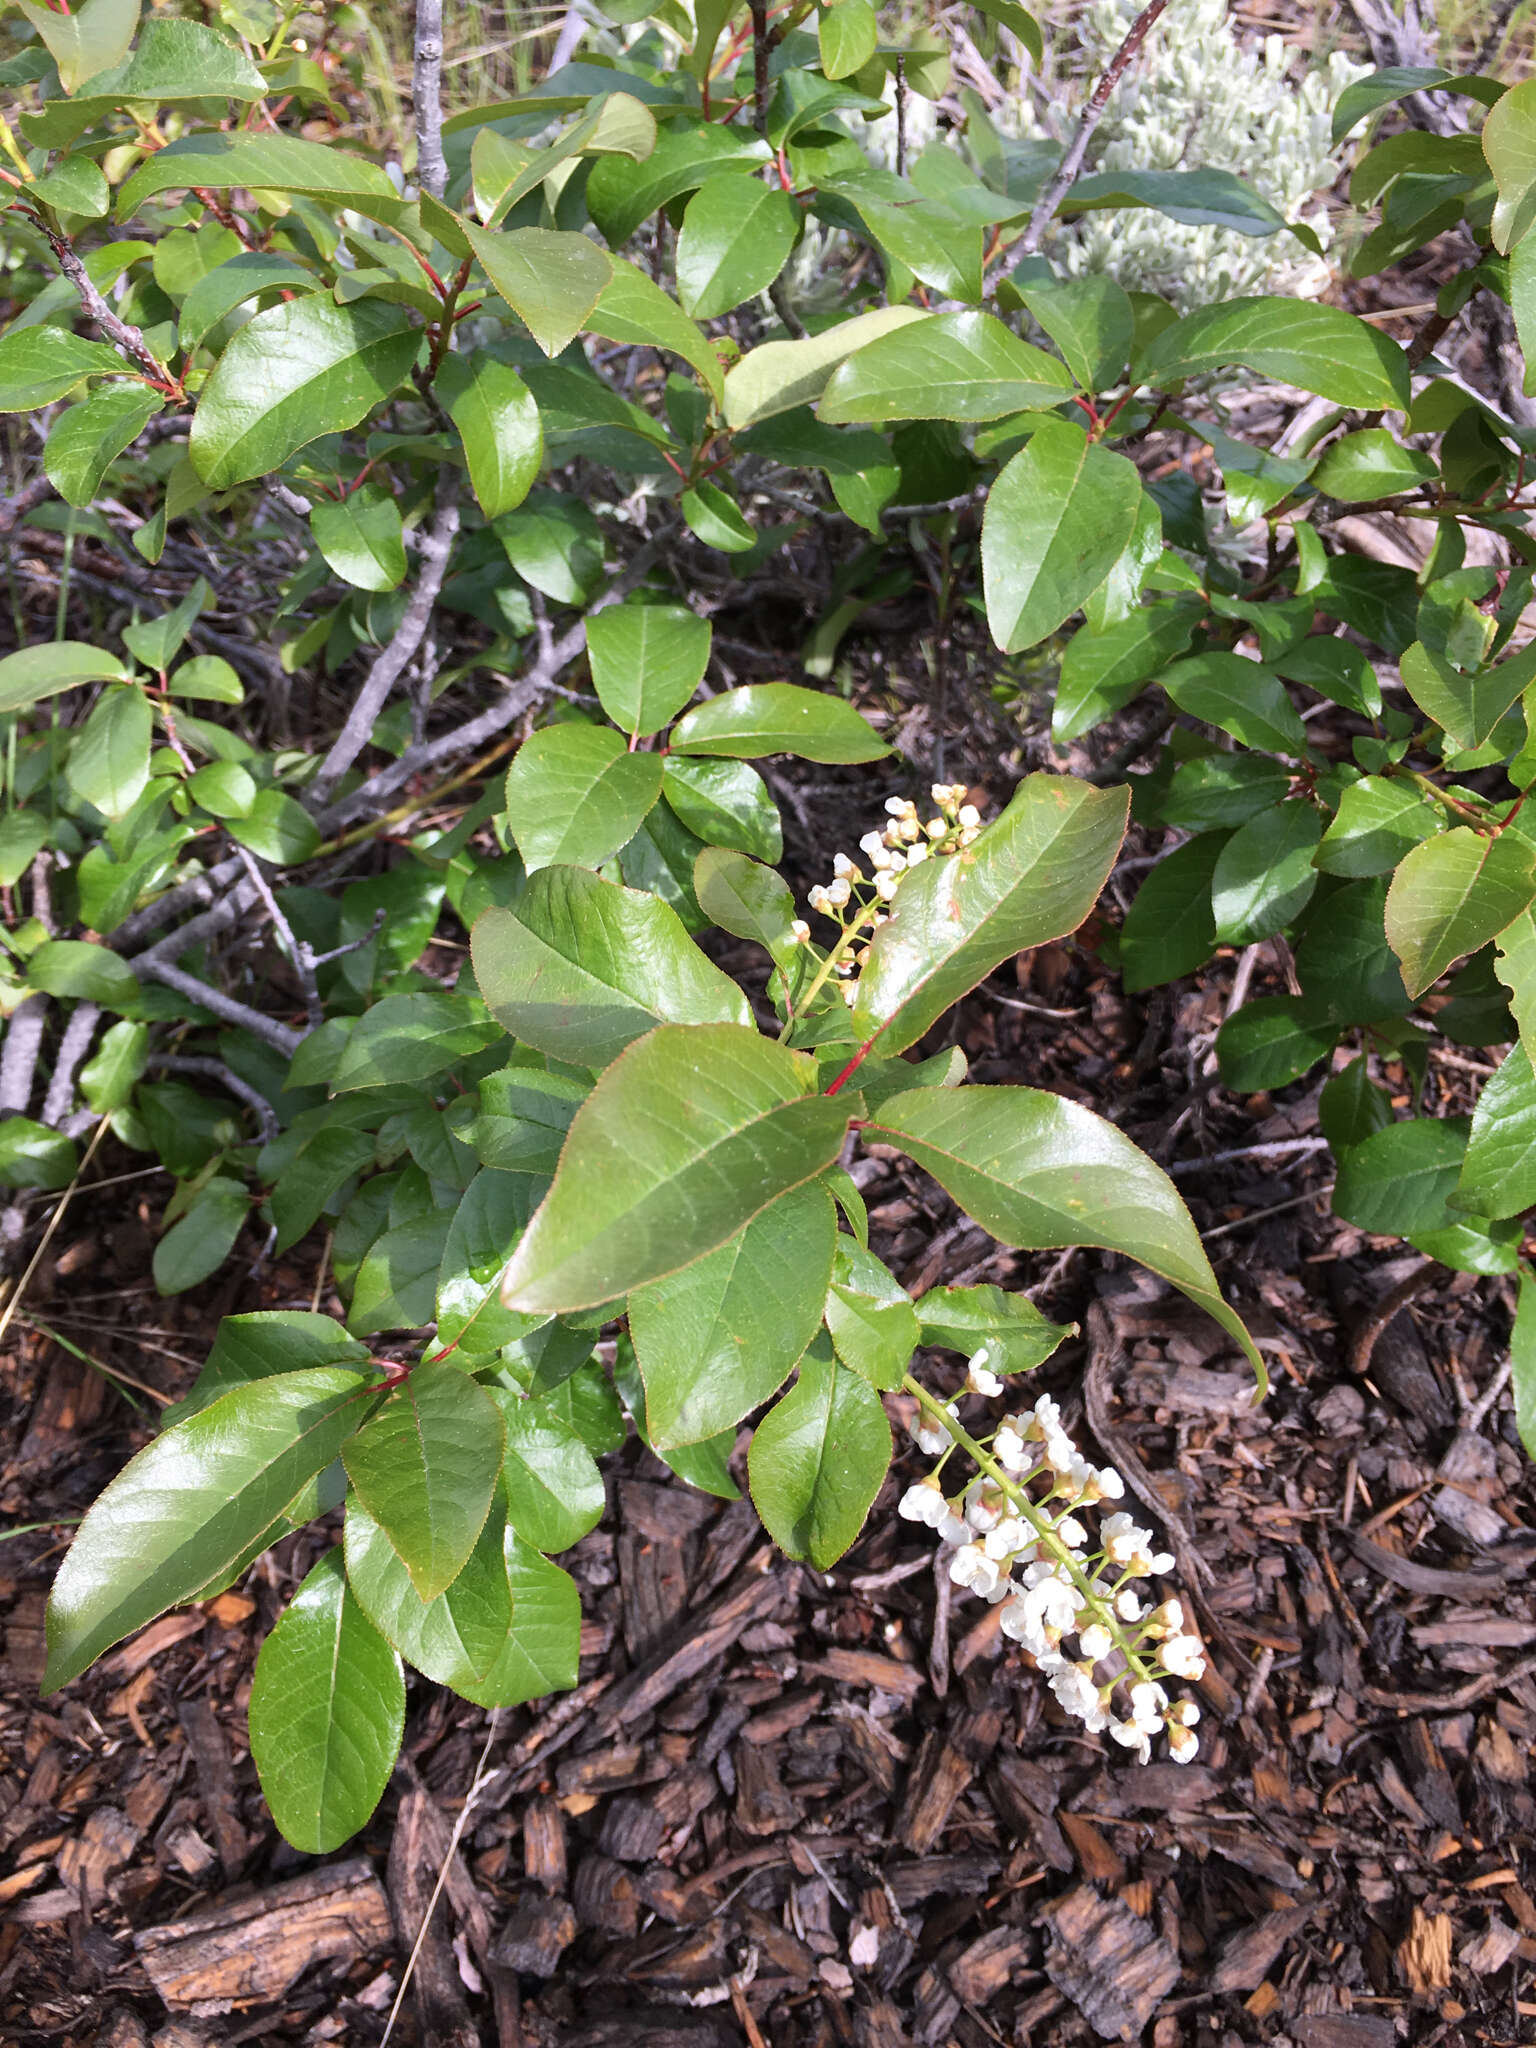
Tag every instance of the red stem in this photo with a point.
(853, 1065)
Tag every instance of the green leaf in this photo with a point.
(1272, 1042)
(1023, 25)
(1222, 790)
(1379, 821)
(1371, 464)
(1515, 966)
(498, 424)
(554, 544)
(1453, 894)
(639, 313)
(777, 718)
(847, 33)
(324, 1163)
(581, 968)
(749, 901)
(736, 236)
(33, 1156)
(107, 1079)
(33, 673)
(267, 162)
(724, 803)
(574, 796)
(224, 789)
(40, 364)
(199, 1242)
(1334, 668)
(157, 641)
(22, 834)
(1015, 1334)
(1344, 959)
(715, 518)
(425, 1468)
(870, 1317)
(1509, 143)
(781, 375)
(1350, 1106)
(1264, 875)
(209, 678)
(1396, 1182)
(719, 1338)
(507, 1630)
(687, 1136)
(262, 1345)
(1522, 1354)
(327, 1713)
(218, 292)
(554, 1490)
(552, 281)
(951, 366)
(396, 1284)
(291, 374)
(1320, 348)
(1057, 520)
(621, 195)
(411, 1038)
(192, 1508)
(91, 37)
(817, 1461)
(278, 827)
(1170, 928)
(1395, 82)
(109, 759)
(91, 973)
(1498, 1176)
(1033, 875)
(1091, 321)
(1102, 672)
(1041, 1173)
(1469, 706)
(361, 538)
(647, 661)
(84, 444)
(1242, 697)
(486, 1227)
(1200, 198)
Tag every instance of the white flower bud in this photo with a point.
(800, 932)
(968, 815)
(980, 1378)
(837, 895)
(952, 1530)
(917, 853)
(844, 868)
(886, 886)
(922, 1502)
(1095, 1642)
(897, 806)
(936, 828)
(1134, 1737)
(819, 899)
(1183, 1745)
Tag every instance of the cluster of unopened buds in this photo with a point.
(1018, 1540)
(858, 901)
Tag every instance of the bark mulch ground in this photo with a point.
(792, 1808)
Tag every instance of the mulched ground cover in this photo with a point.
(792, 1808)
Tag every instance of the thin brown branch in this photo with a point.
(1072, 163)
(126, 339)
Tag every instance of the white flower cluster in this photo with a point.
(1198, 97)
(859, 902)
(1018, 1541)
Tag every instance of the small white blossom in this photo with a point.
(1135, 1738)
(1095, 1642)
(1149, 1704)
(886, 885)
(1128, 1605)
(1075, 1689)
(1072, 1532)
(980, 1376)
(1011, 1451)
(971, 1567)
(844, 868)
(800, 931)
(936, 828)
(923, 1503)
(898, 806)
(1183, 1745)
(819, 899)
(1184, 1656)
(916, 853)
(952, 1529)
(1007, 1538)
(968, 815)
(839, 892)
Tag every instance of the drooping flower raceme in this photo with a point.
(1070, 1598)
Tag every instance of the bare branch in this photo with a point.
(278, 1036)
(127, 340)
(407, 637)
(18, 1054)
(572, 29)
(73, 1047)
(427, 98)
(1072, 162)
